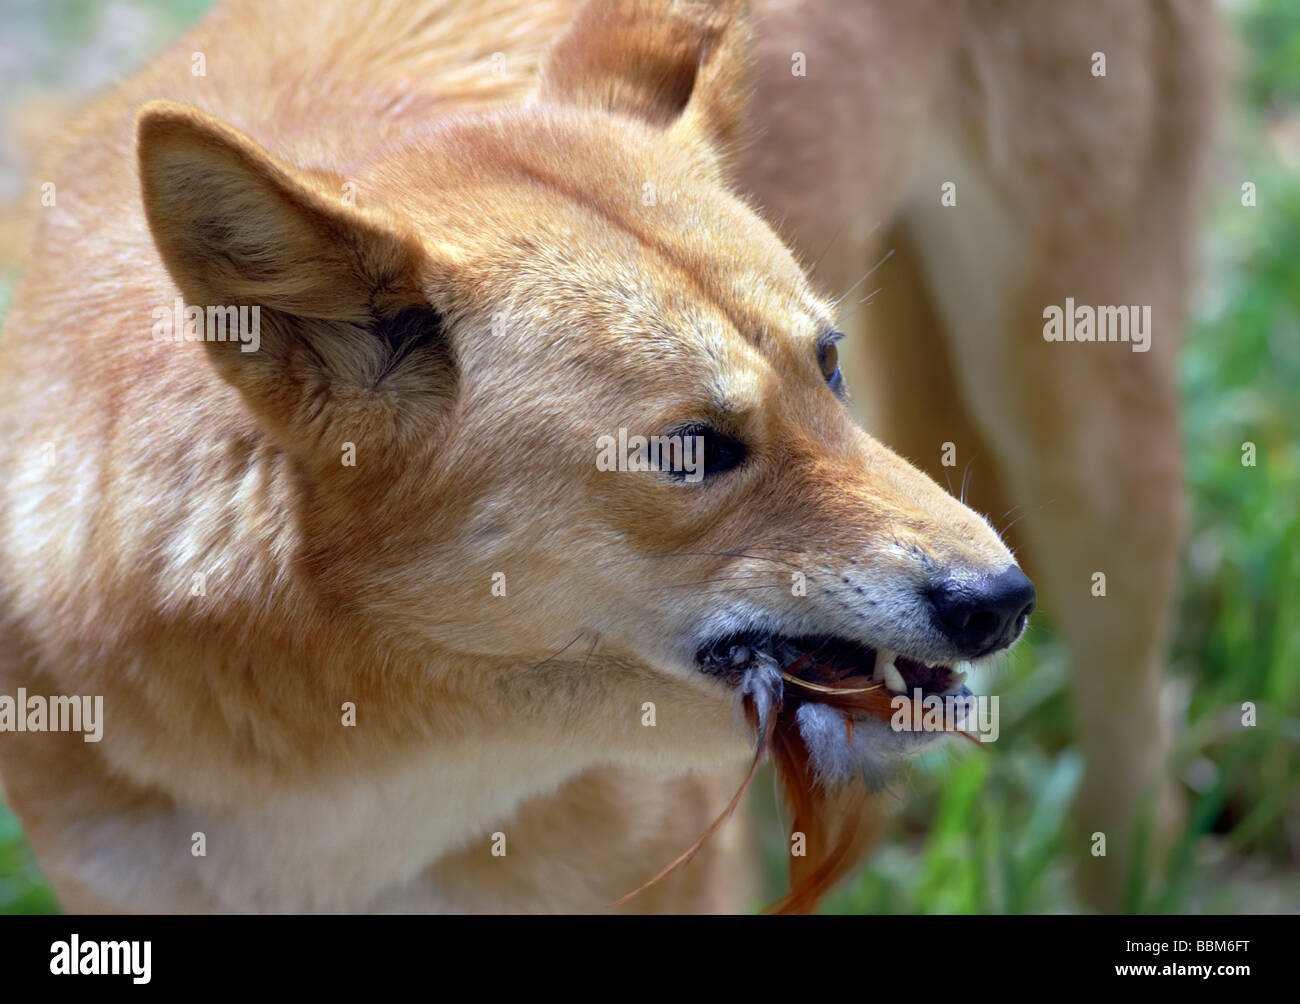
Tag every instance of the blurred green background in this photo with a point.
(978, 832)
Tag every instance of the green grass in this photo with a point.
(986, 831)
(22, 887)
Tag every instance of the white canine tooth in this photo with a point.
(894, 679)
(884, 657)
(960, 671)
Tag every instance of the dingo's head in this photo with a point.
(510, 299)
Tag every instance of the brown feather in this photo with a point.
(837, 823)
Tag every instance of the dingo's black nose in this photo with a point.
(985, 613)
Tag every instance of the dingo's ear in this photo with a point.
(234, 224)
(681, 66)
(338, 290)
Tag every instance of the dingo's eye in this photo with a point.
(828, 358)
(718, 452)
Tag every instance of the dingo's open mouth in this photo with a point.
(829, 660)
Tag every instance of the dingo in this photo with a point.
(372, 628)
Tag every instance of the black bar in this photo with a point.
(473, 956)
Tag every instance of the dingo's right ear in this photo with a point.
(338, 290)
(681, 67)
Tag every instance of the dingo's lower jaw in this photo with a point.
(728, 658)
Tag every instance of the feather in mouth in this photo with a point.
(775, 676)
(827, 660)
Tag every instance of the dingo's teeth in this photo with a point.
(955, 683)
(887, 672)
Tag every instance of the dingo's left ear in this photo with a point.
(681, 66)
(338, 314)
